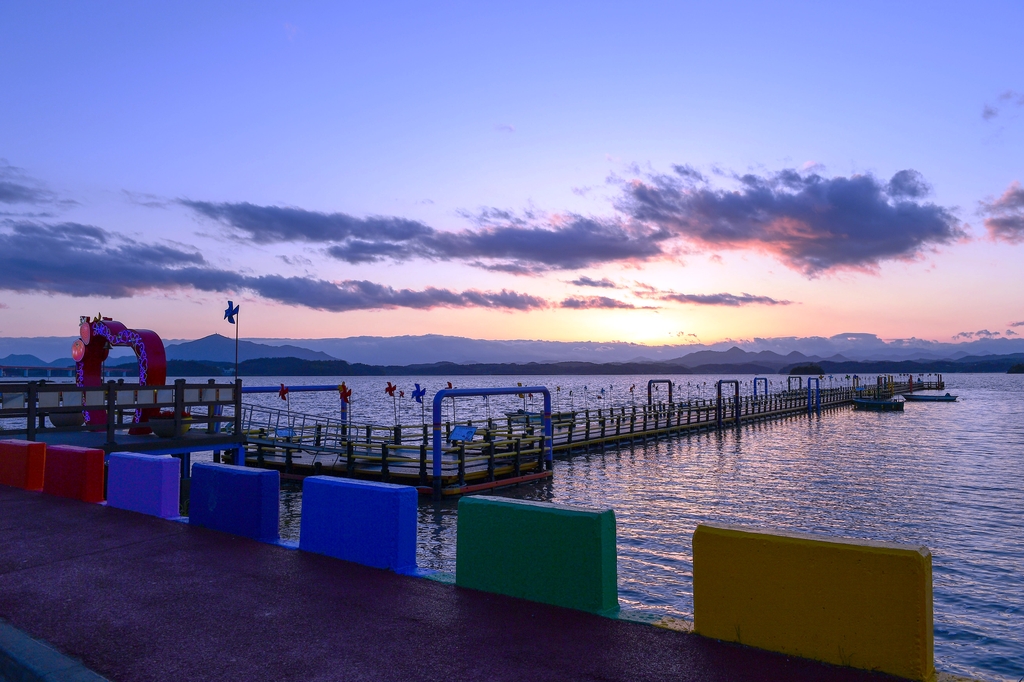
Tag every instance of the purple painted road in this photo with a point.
(139, 598)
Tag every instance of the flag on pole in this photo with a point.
(230, 313)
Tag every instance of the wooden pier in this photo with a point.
(512, 450)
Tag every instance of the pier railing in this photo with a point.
(37, 410)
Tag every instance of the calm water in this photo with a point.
(947, 476)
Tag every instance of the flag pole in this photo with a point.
(237, 321)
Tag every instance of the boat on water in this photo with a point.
(920, 398)
(890, 405)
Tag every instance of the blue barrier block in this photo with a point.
(368, 523)
(144, 483)
(238, 500)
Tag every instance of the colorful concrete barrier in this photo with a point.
(856, 603)
(238, 500)
(543, 552)
(148, 484)
(364, 522)
(22, 464)
(74, 472)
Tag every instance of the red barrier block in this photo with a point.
(22, 463)
(74, 472)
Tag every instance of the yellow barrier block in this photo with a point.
(856, 603)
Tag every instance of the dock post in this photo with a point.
(517, 462)
(350, 459)
(111, 393)
(462, 463)
(490, 461)
(423, 463)
(30, 424)
(238, 412)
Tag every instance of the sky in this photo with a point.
(644, 172)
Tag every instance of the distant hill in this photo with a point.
(970, 363)
(24, 360)
(217, 348)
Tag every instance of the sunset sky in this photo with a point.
(647, 172)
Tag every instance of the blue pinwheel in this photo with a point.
(229, 315)
(417, 395)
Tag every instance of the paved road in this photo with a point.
(138, 598)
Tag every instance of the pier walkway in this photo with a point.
(138, 598)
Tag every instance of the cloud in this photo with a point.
(16, 187)
(1017, 324)
(82, 260)
(1005, 221)
(721, 299)
(503, 240)
(274, 224)
(145, 199)
(363, 295)
(505, 128)
(980, 334)
(989, 112)
(650, 292)
(810, 222)
(1010, 332)
(592, 302)
(603, 283)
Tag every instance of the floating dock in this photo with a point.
(513, 449)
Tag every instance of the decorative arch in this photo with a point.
(97, 337)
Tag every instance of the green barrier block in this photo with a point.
(542, 552)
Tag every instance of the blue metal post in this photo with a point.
(817, 395)
(650, 384)
(736, 401)
(479, 392)
(765, 380)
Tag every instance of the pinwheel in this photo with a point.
(417, 395)
(283, 394)
(390, 390)
(229, 315)
(345, 393)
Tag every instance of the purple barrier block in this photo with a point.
(368, 523)
(144, 483)
(238, 500)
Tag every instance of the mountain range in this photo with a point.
(770, 354)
